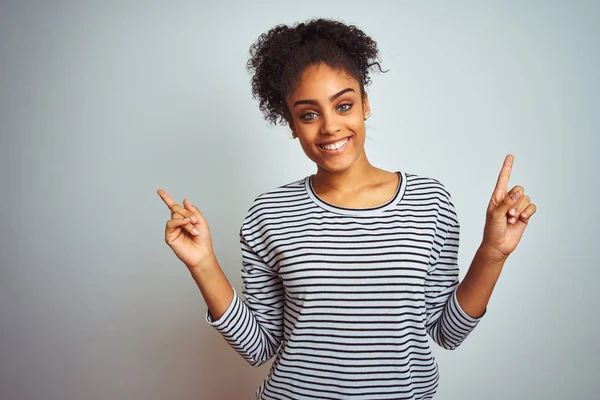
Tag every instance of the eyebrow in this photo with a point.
(332, 98)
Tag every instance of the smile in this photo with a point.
(336, 147)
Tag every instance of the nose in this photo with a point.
(330, 125)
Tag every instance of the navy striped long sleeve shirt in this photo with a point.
(344, 298)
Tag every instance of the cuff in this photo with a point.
(223, 321)
(462, 317)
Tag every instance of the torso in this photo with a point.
(353, 286)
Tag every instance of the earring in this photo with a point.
(367, 116)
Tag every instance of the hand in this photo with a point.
(507, 216)
(187, 232)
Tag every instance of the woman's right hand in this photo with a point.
(187, 232)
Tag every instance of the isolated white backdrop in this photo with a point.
(103, 103)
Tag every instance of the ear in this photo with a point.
(366, 106)
(293, 129)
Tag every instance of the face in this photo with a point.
(328, 117)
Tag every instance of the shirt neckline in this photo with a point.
(398, 195)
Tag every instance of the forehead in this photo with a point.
(322, 81)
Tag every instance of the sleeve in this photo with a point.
(254, 326)
(447, 323)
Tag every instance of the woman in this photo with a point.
(345, 271)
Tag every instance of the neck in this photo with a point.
(359, 174)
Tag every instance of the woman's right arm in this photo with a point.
(188, 235)
(254, 326)
(213, 284)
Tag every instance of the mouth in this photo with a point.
(336, 147)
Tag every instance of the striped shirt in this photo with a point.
(344, 298)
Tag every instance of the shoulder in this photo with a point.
(278, 196)
(431, 192)
(423, 184)
(283, 191)
(277, 201)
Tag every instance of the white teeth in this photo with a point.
(336, 145)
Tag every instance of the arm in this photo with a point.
(507, 216)
(213, 285)
(476, 288)
(253, 327)
(447, 323)
(188, 235)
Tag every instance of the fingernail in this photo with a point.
(194, 219)
(524, 215)
(512, 211)
(512, 220)
(516, 195)
(195, 231)
(186, 219)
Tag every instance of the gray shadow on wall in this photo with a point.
(190, 360)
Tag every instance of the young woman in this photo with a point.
(346, 271)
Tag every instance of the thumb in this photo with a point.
(512, 199)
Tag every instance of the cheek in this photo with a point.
(308, 147)
(358, 128)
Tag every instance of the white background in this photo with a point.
(103, 103)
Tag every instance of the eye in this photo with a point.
(345, 107)
(308, 116)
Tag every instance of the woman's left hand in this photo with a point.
(507, 216)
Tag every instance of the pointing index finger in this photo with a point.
(166, 198)
(504, 177)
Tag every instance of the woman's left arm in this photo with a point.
(508, 214)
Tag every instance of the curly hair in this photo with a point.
(279, 56)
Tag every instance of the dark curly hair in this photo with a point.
(279, 56)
